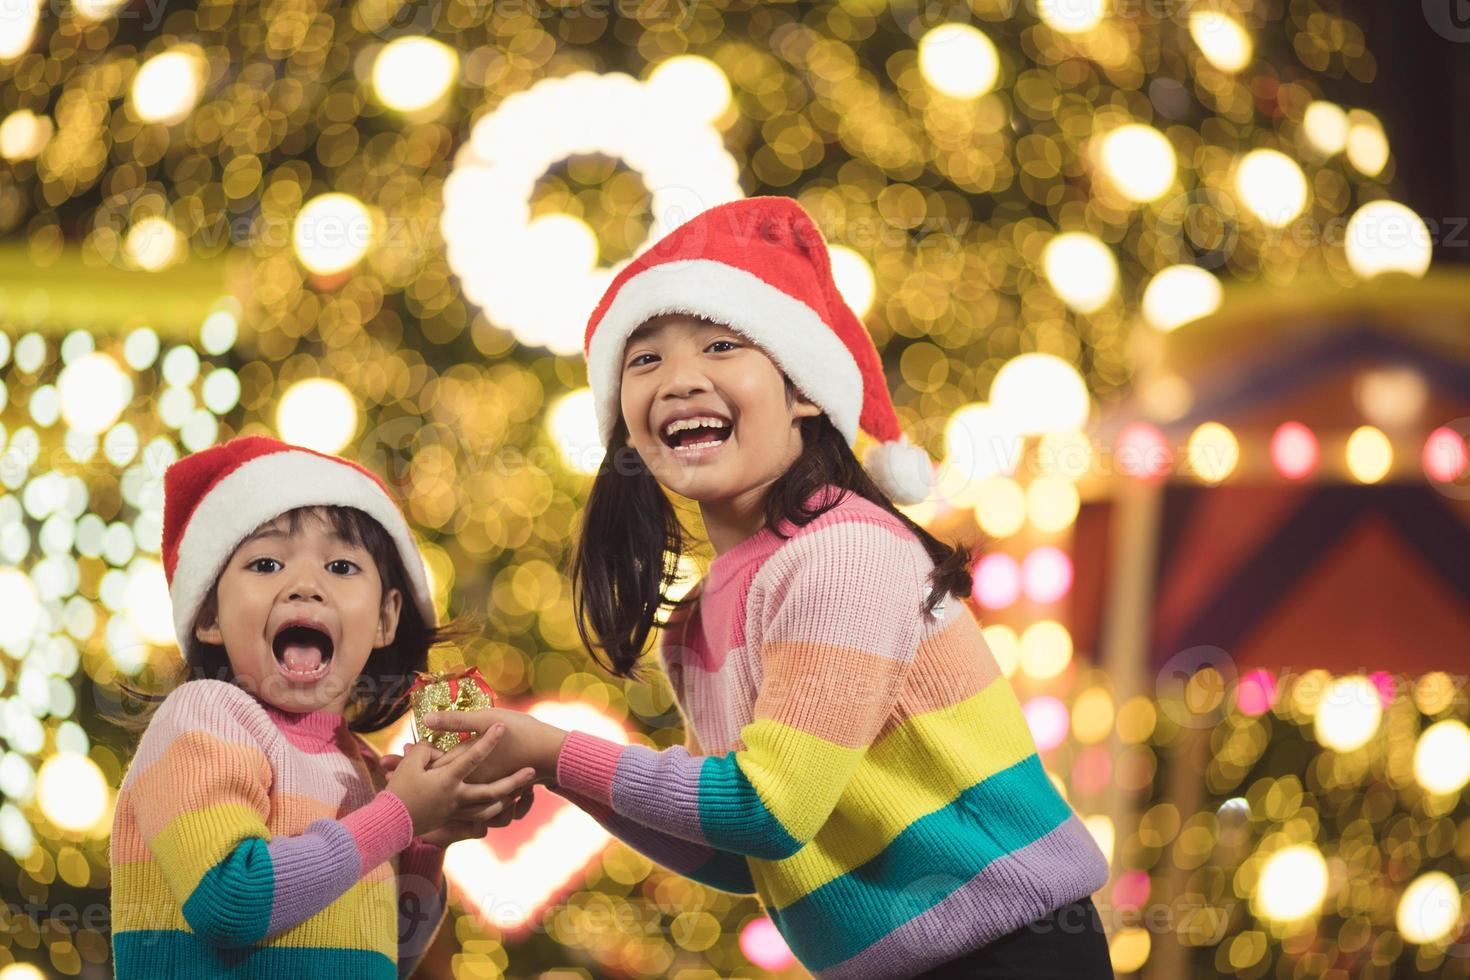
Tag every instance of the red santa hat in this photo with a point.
(216, 498)
(761, 267)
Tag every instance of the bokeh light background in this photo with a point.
(377, 227)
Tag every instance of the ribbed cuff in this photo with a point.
(422, 859)
(587, 765)
(381, 829)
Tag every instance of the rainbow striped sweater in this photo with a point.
(252, 843)
(865, 768)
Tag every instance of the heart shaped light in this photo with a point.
(511, 874)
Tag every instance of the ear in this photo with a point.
(803, 408)
(210, 634)
(388, 618)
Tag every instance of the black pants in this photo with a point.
(1068, 944)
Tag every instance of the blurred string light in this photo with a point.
(1082, 270)
(572, 425)
(1072, 16)
(413, 73)
(1348, 714)
(959, 61)
(1429, 909)
(1271, 186)
(1385, 236)
(318, 413)
(1180, 294)
(1294, 450)
(1369, 454)
(1292, 884)
(1222, 40)
(332, 233)
(1326, 127)
(1040, 394)
(541, 278)
(1140, 161)
(168, 85)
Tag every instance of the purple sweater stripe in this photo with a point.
(311, 871)
(1026, 884)
(662, 785)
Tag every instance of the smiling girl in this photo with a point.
(255, 834)
(854, 754)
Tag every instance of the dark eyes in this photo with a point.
(336, 565)
(717, 347)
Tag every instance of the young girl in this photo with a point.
(854, 755)
(254, 836)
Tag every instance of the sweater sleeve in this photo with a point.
(422, 899)
(722, 870)
(841, 619)
(200, 789)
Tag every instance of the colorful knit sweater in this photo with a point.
(865, 767)
(252, 843)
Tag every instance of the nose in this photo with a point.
(305, 587)
(682, 378)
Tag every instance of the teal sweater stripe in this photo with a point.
(187, 958)
(733, 816)
(932, 857)
(232, 902)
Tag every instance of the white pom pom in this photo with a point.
(903, 470)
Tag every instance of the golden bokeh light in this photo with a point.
(959, 61)
(1221, 39)
(1081, 270)
(1292, 884)
(1369, 454)
(413, 73)
(73, 793)
(168, 85)
(318, 413)
(1180, 294)
(1385, 236)
(332, 233)
(1140, 161)
(1272, 187)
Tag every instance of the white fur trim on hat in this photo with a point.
(902, 469)
(262, 489)
(796, 337)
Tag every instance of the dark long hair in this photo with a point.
(627, 556)
(379, 693)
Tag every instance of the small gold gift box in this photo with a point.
(462, 689)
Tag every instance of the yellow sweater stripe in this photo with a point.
(898, 781)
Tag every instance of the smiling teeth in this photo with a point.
(698, 422)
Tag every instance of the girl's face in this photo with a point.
(707, 410)
(299, 614)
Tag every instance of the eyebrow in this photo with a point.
(275, 532)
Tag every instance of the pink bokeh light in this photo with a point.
(1445, 455)
(763, 946)
(997, 581)
(1046, 575)
(1294, 450)
(1048, 719)
(1256, 693)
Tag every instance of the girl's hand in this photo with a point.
(527, 742)
(435, 796)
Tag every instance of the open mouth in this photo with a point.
(696, 433)
(304, 652)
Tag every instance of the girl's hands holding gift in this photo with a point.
(469, 827)
(441, 794)
(527, 742)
